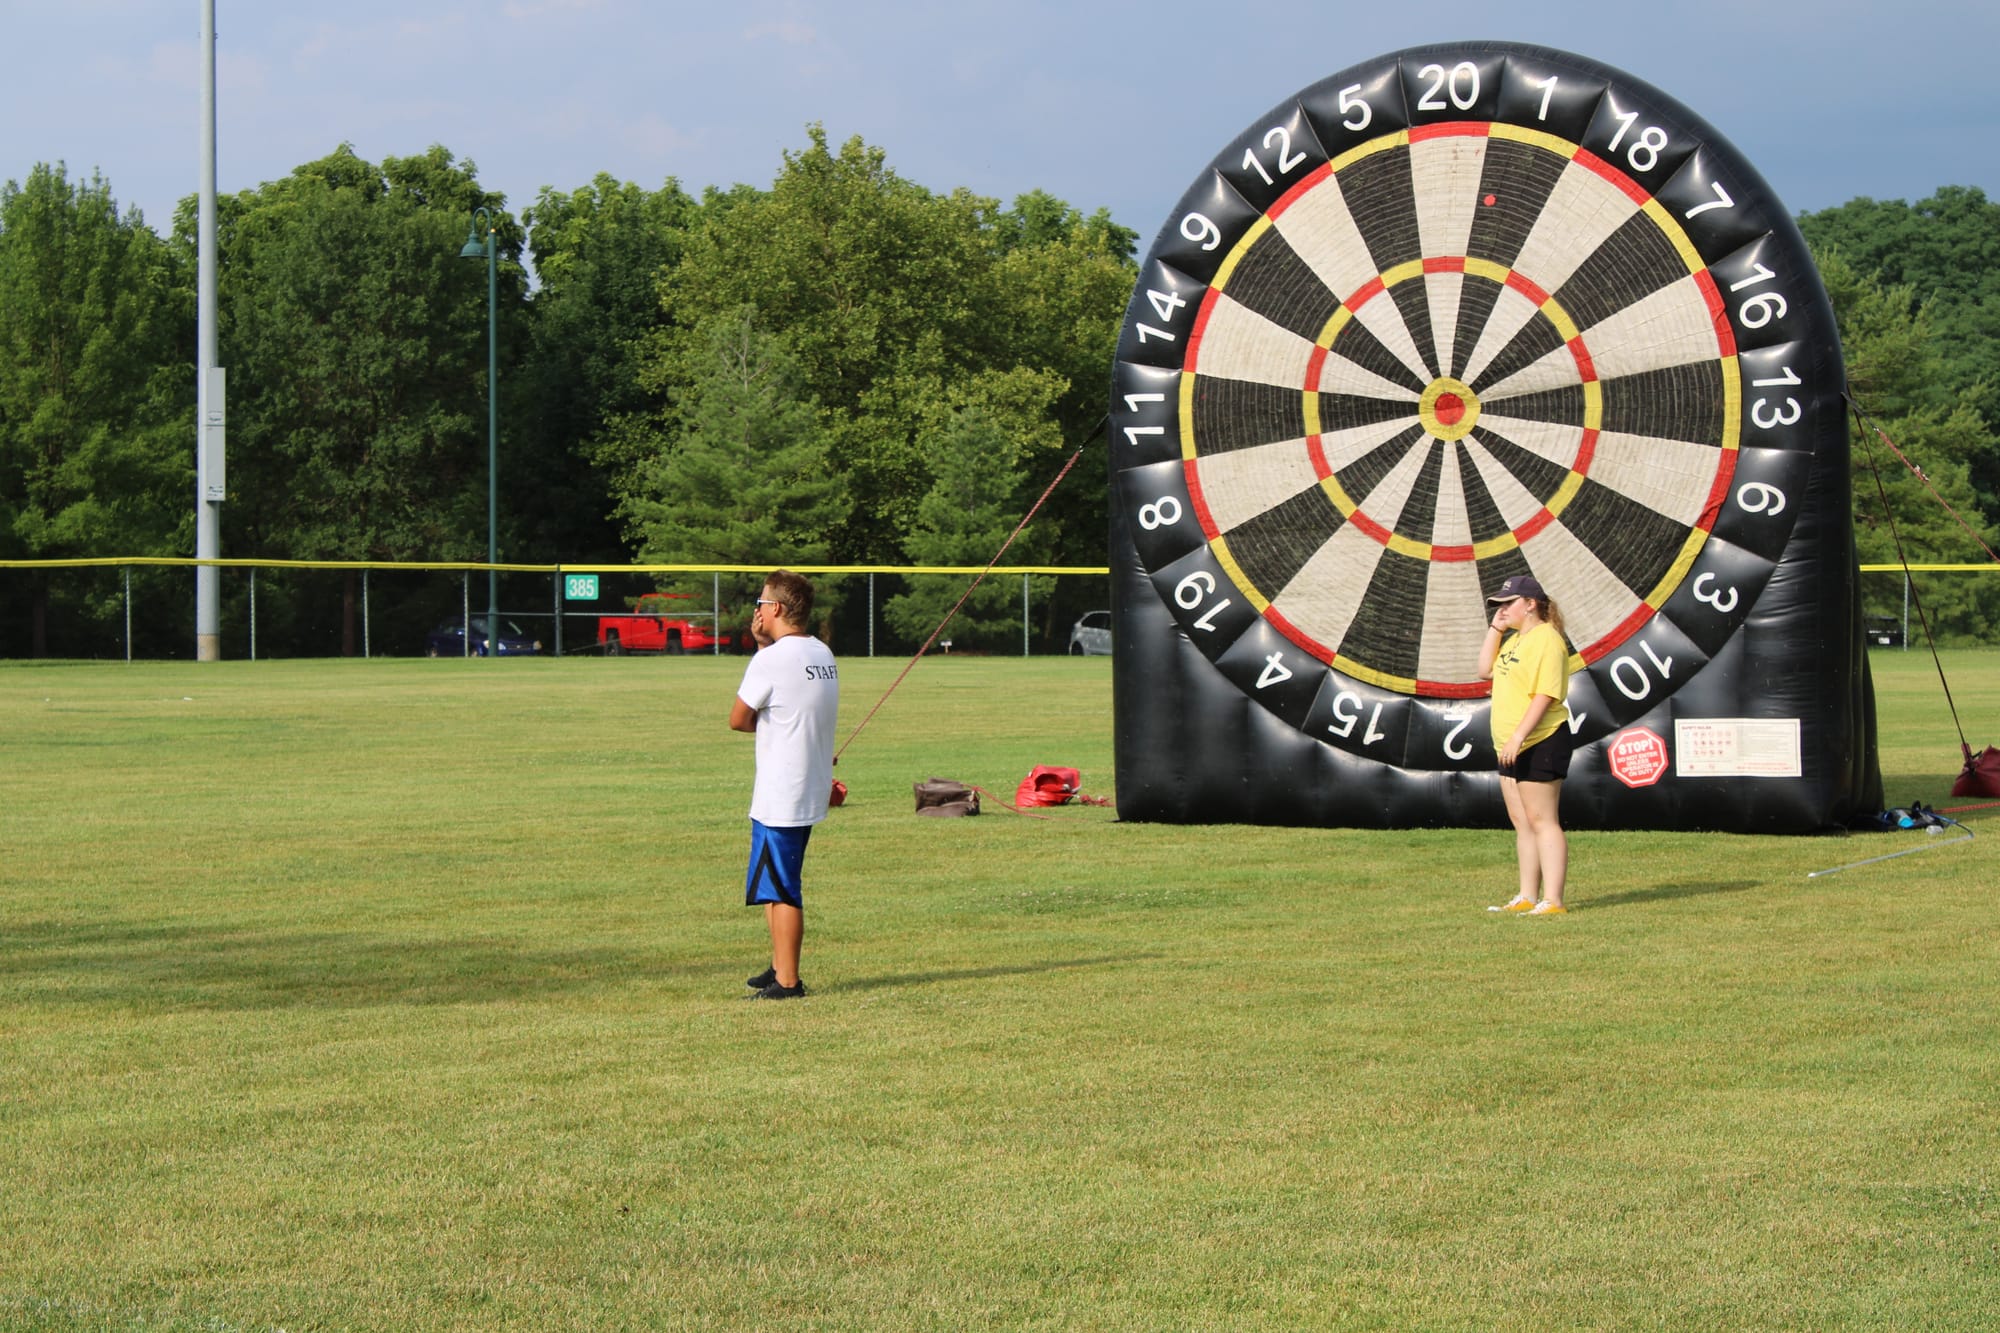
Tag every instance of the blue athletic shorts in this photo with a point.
(777, 856)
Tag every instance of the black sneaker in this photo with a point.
(762, 979)
(776, 992)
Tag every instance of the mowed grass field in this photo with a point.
(404, 995)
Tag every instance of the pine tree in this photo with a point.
(744, 478)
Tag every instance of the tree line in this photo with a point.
(1917, 291)
(842, 367)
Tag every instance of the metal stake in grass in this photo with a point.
(1927, 845)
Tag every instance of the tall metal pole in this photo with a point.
(492, 441)
(208, 452)
(482, 237)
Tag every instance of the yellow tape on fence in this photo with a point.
(420, 565)
(423, 565)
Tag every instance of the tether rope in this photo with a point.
(1923, 618)
(1922, 476)
(977, 580)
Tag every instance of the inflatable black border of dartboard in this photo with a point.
(1195, 742)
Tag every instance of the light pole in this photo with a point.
(482, 242)
(208, 449)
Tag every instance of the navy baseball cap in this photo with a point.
(1521, 585)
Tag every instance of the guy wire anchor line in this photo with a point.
(1927, 845)
(1018, 529)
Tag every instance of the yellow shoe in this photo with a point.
(1548, 909)
(1515, 905)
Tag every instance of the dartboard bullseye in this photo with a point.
(1455, 315)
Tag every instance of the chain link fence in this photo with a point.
(143, 608)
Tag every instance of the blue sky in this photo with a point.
(1105, 103)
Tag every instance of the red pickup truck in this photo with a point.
(652, 627)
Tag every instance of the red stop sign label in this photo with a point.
(1638, 757)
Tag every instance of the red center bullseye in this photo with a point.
(1449, 408)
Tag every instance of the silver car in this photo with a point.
(1091, 635)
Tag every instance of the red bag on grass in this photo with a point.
(1047, 785)
(1982, 773)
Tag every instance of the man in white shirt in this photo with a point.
(789, 699)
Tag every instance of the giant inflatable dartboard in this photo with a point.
(1460, 313)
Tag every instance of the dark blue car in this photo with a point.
(448, 640)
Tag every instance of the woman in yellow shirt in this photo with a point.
(1527, 659)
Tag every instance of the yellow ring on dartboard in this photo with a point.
(1449, 409)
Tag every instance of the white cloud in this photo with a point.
(325, 38)
(656, 139)
(789, 31)
(449, 25)
(534, 9)
(176, 66)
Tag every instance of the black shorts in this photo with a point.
(1547, 760)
